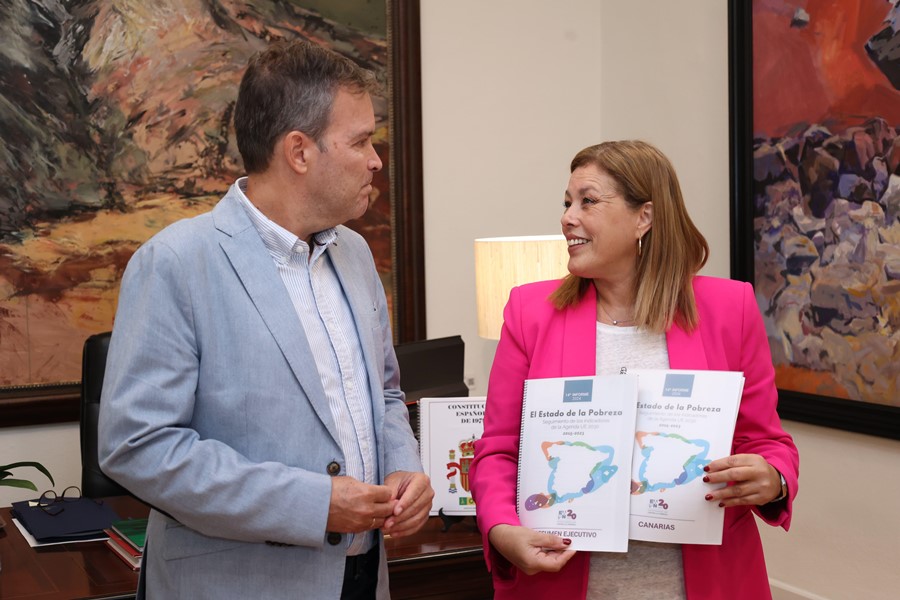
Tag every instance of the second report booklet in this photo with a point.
(575, 456)
(685, 420)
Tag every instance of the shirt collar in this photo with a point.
(280, 242)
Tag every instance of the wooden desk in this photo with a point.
(439, 565)
(65, 571)
(431, 565)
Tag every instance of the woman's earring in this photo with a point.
(639, 246)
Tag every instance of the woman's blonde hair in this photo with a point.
(672, 251)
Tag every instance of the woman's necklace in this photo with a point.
(616, 322)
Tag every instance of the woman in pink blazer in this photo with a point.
(633, 300)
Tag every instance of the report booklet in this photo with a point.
(685, 419)
(448, 428)
(575, 459)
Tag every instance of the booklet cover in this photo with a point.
(132, 531)
(80, 519)
(448, 428)
(575, 457)
(133, 562)
(685, 420)
(117, 540)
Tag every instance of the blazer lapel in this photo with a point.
(253, 265)
(686, 349)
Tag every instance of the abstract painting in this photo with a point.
(116, 121)
(816, 201)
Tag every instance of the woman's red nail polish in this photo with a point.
(709, 496)
(721, 505)
(567, 541)
(706, 479)
(706, 468)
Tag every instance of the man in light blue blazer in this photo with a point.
(252, 392)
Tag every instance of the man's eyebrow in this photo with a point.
(361, 135)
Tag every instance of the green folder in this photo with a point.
(133, 531)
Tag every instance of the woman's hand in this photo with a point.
(754, 480)
(529, 550)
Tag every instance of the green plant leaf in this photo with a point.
(5, 469)
(19, 483)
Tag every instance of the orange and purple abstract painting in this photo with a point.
(826, 161)
(116, 121)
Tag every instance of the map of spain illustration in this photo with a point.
(669, 460)
(576, 469)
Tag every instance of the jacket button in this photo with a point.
(333, 468)
(334, 538)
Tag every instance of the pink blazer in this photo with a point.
(539, 341)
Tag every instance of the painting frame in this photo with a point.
(848, 415)
(39, 404)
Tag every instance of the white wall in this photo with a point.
(54, 446)
(664, 72)
(844, 541)
(511, 90)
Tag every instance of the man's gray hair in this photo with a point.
(291, 86)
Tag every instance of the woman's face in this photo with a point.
(600, 227)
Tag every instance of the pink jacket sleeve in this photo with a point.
(493, 472)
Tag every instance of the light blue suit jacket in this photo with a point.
(214, 413)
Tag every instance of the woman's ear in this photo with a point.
(645, 218)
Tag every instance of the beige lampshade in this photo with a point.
(504, 262)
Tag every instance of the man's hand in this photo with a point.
(413, 495)
(754, 481)
(529, 550)
(356, 507)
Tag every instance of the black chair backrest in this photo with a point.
(94, 484)
(431, 369)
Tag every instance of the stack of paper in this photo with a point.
(126, 539)
(71, 521)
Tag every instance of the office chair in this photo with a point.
(94, 484)
(431, 369)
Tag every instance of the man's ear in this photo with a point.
(296, 147)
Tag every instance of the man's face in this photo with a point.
(340, 179)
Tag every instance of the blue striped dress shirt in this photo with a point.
(324, 312)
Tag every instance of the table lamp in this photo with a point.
(502, 263)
